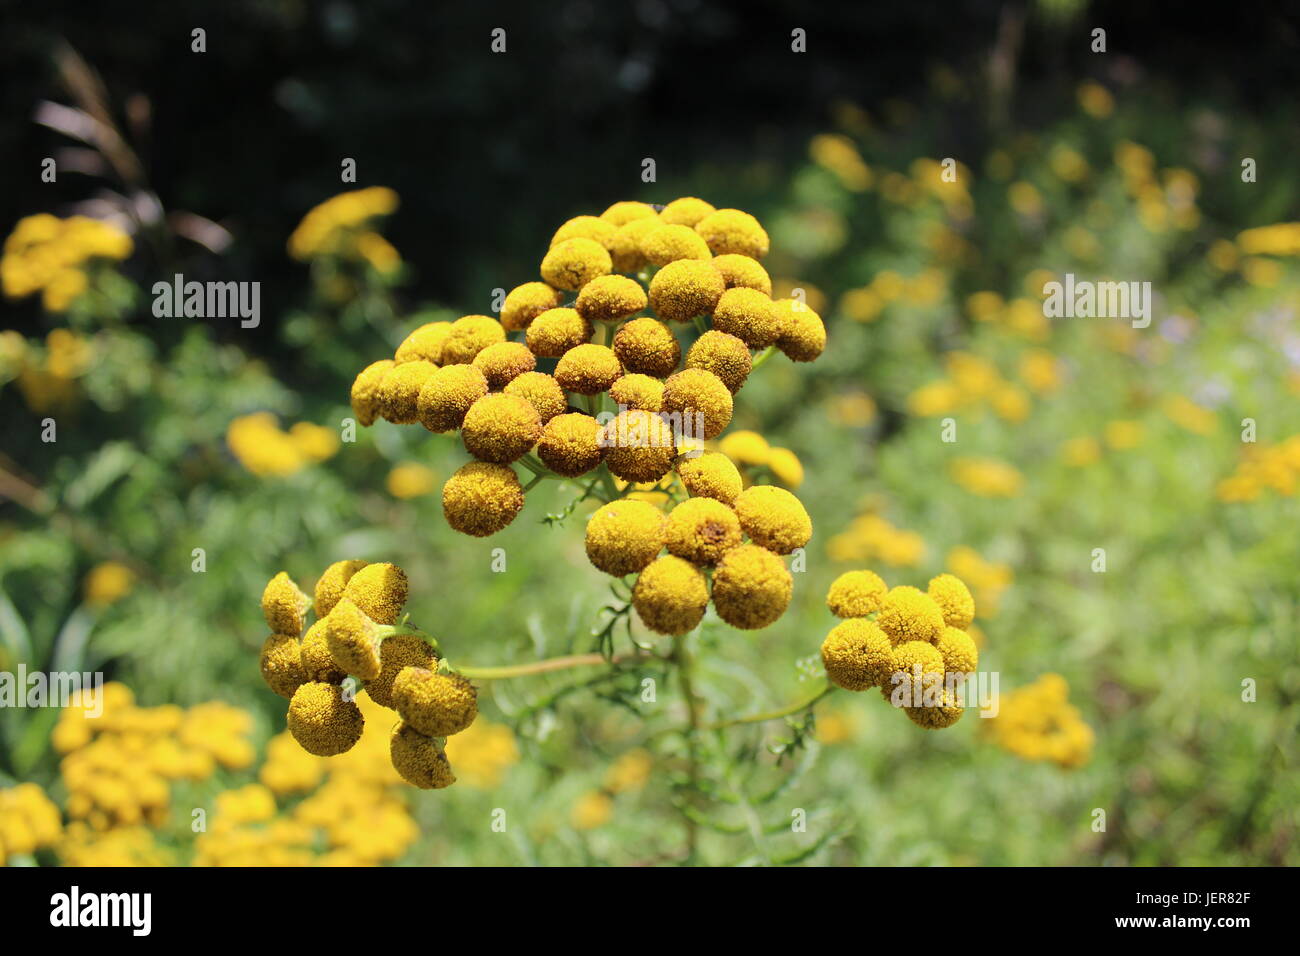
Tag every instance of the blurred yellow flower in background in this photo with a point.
(411, 480)
(1081, 452)
(47, 254)
(593, 809)
(631, 771)
(260, 445)
(107, 583)
(1095, 99)
(332, 228)
(1037, 722)
(1124, 434)
(838, 154)
(986, 579)
(871, 538)
(482, 753)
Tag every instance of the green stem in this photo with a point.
(700, 325)
(763, 356)
(686, 669)
(539, 667)
(536, 480)
(786, 711)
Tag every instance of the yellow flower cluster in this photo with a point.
(870, 537)
(1037, 722)
(84, 846)
(356, 632)
(46, 377)
(1165, 198)
(987, 477)
(629, 773)
(118, 766)
(1021, 317)
(914, 645)
(1279, 239)
(29, 821)
(972, 385)
(753, 455)
(529, 387)
(342, 226)
(1263, 468)
(107, 583)
(50, 255)
(750, 585)
(868, 302)
(264, 448)
(988, 579)
(838, 155)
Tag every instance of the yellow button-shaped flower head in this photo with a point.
(526, 302)
(419, 759)
(648, 347)
(570, 444)
(684, 289)
(857, 655)
(365, 391)
(573, 263)
(281, 664)
(701, 530)
(625, 248)
(856, 594)
(635, 390)
(621, 213)
(751, 587)
(686, 211)
(639, 446)
(742, 272)
(329, 588)
(379, 590)
(917, 665)
(556, 331)
(284, 605)
(697, 403)
(424, 344)
(317, 660)
(482, 498)
(541, 391)
(710, 474)
(449, 393)
(500, 428)
(588, 369)
(909, 614)
(773, 518)
(322, 721)
(960, 655)
(396, 653)
(724, 355)
(353, 640)
(436, 705)
(610, 299)
(624, 536)
(469, 335)
(399, 391)
(586, 227)
(802, 333)
(954, 600)
(504, 361)
(733, 231)
(670, 595)
(673, 243)
(944, 714)
(749, 315)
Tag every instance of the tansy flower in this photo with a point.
(482, 498)
(593, 810)
(724, 355)
(909, 614)
(556, 331)
(773, 518)
(504, 361)
(586, 227)
(397, 652)
(1080, 452)
(379, 590)
(733, 231)
(856, 594)
(469, 335)
(648, 347)
(570, 444)
(284, 605)
(573, 263)
(365, 391)
(353, 640)
(625, 248)
(742, 272)
(749, 315)
(541, 391)
(751, 586)
(670, 595)
(686, 288)
(745, 448)
(942, 715)
(437, 705)
(960, 655)
(107, 583)
(701, 530)
(623, 536)
(610, 298)
(639, 446)
(701, 400)
(448, 395)
(315, 656)
(673, 243)
(588, 369)
(916, 666)
(419, 759)
(399, 391)
(424, 344)
(329, 587)
(638, 391)
(954, 600)
(631, 771)
(621, 213)
(710, 474)
(785, 467)
(411, 479)
(987, 477)
(500, 428)
(857, 655)
(323, 722)
(482, 753)
(802, 333)
(281, 664)
(526, 302)
(686, 211)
